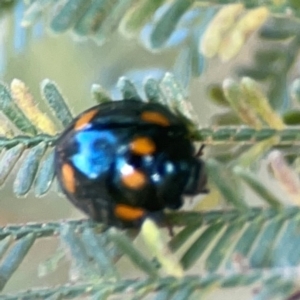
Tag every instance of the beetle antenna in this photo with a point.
(199, 153)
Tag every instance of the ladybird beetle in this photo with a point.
(121, 161)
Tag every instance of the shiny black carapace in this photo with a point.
(123, 160)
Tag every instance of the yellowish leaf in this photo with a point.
(218, 27)
(236, 97)
(260, 103)
(256, 151)
(5, 128)
(25, 101)
(158, 245)
(236, 38)
(210, 201)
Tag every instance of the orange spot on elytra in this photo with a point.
(142, 146)
(128, 213)
(85, 119)
(134, 180)
(155, 117)
(68, 178)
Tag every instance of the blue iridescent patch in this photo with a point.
(95, 152)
